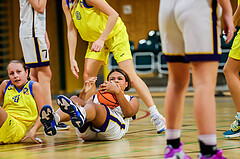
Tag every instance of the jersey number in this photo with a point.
(45, 51)
(16, 98)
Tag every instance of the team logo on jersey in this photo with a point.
(25, 91)
(78, 15)
(10, 87)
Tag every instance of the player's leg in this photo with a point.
(44, 75)
(94, 112)
(33, 74)
(91, 68)
(231, 72)
(204, 81)
(120, 47)
(144, 93)
(3, 116)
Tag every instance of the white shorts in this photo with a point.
(114, 128)
(35, 51)
(190, 30)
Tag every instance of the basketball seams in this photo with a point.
(106, 98)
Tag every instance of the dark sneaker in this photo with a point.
(75, 112)
(62, 126)
(47, 120)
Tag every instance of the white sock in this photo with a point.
(208, 139)
(153, 110)
(238, 113)
(83, 111)
(172, 133)
(56, 117)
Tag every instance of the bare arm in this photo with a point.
(38, 5)
(129, 109)
(112, 19)
(47, 40)
(236, 15)
(38, 94)
(228, 19)
(72, 38)
(2, 89)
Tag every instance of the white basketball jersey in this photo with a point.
(32, 23)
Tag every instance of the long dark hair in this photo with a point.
(124, 74)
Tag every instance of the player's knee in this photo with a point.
(226, 70)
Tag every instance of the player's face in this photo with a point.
(118, 78)
(17, 74)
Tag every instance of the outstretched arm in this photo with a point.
(38, 5)
(88, 85)
(112, 19)
(38, 94)
(228, 19)
(72, 38)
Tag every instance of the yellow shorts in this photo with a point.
(235, 50)
(12, 131)
(118, 45)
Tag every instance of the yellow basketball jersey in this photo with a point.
(20, 104)
(90, 22)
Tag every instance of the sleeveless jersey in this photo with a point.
(117, 109)
(32, 23)
(90, 21)
(20, 104)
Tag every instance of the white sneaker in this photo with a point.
(159, 121)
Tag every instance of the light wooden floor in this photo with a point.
(141, 141)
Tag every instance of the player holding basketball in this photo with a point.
(100, 25)
(190, 37)
(22, 100)
(92, 120)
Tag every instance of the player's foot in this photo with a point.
(62, 126)
(75, 112)
(172, 153)
(234, 131)
(159, 121)
(218, 155)
(47, 120)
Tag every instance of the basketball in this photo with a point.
(108, 99)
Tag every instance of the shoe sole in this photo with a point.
(232, 136)
(60, 128)
(163, 129)
(46, 119)
(67, 106)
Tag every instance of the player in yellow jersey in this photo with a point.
(22, 101)
(231, 71)
(100, 25)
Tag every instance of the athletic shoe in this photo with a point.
(76, 113)
(218, 155)
(234, 131)
(62, 126)
(47, 120)
(172, 153)
(159, 121)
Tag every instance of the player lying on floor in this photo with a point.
(95, 121)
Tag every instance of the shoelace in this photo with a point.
(235, 125)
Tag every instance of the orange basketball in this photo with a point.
(108, 99)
